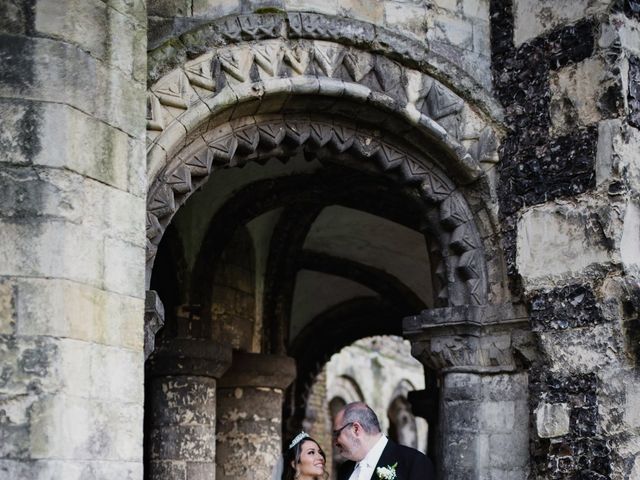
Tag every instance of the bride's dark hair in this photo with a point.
(293, 455)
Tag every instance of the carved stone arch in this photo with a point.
(449, 218)
(196, 127)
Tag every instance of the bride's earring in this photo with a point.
(297, 475)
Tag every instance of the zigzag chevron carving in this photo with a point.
(209, 73)
(281, 136)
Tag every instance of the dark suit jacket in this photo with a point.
(412, 465)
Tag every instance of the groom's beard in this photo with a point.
(350, 448)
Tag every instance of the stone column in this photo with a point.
(72, 245)
(182, 417)
(484, 415)
(250, 397)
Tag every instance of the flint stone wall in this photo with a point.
(565, 73)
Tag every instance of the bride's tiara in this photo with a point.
(301, 436)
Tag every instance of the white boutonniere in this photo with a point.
(387, 473)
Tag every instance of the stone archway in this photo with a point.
(275, 98)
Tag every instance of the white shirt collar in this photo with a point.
(373, 456)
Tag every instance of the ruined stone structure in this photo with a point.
(202, 200)
(379, 371)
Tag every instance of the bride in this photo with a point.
(304, 459)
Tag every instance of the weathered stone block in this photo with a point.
(329, 7)
(462, 386)
(54, 249)
(84, 23)
(136, 9)
(580, 95)
(508, 451)
(68, 309)
(461, 416)
(20, 135)
(362, 10)
(629, 244)
(168, 469)
(64, 426)
(215, 8)
(128, 41)
(73, 77)
(183, 442)
(451, 5)
(505, 387)
(579, 350)
(497, 416)
(83, 144)
(116, 374)
(552, 420)
(453, 31)
(7, 307)
(137, 174)
(169, 8)
(482, 39)
(479, 9)
(411, 17)
(124, 267)
(183, 400)
(557, 240)
(533, 17)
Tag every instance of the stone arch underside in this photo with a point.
(260, 138)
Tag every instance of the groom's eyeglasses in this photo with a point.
(336, 433)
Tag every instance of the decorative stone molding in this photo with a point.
(479, 339)
(153, 320)
(254, 72)
(193, 38)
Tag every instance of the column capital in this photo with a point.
(259, 370)
(469, 338)
(153, 320)
(190, 356)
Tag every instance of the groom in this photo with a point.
(371, 455)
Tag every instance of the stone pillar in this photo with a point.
(483, 405)
(250, 398)
(72, 244)
(182, 416)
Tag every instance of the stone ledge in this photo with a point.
(469, 315)
(259, 370)
(188, 356)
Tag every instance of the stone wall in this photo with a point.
(568, 189)
(72, 246)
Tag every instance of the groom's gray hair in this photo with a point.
(361, 412)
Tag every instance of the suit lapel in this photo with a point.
(387, 458)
